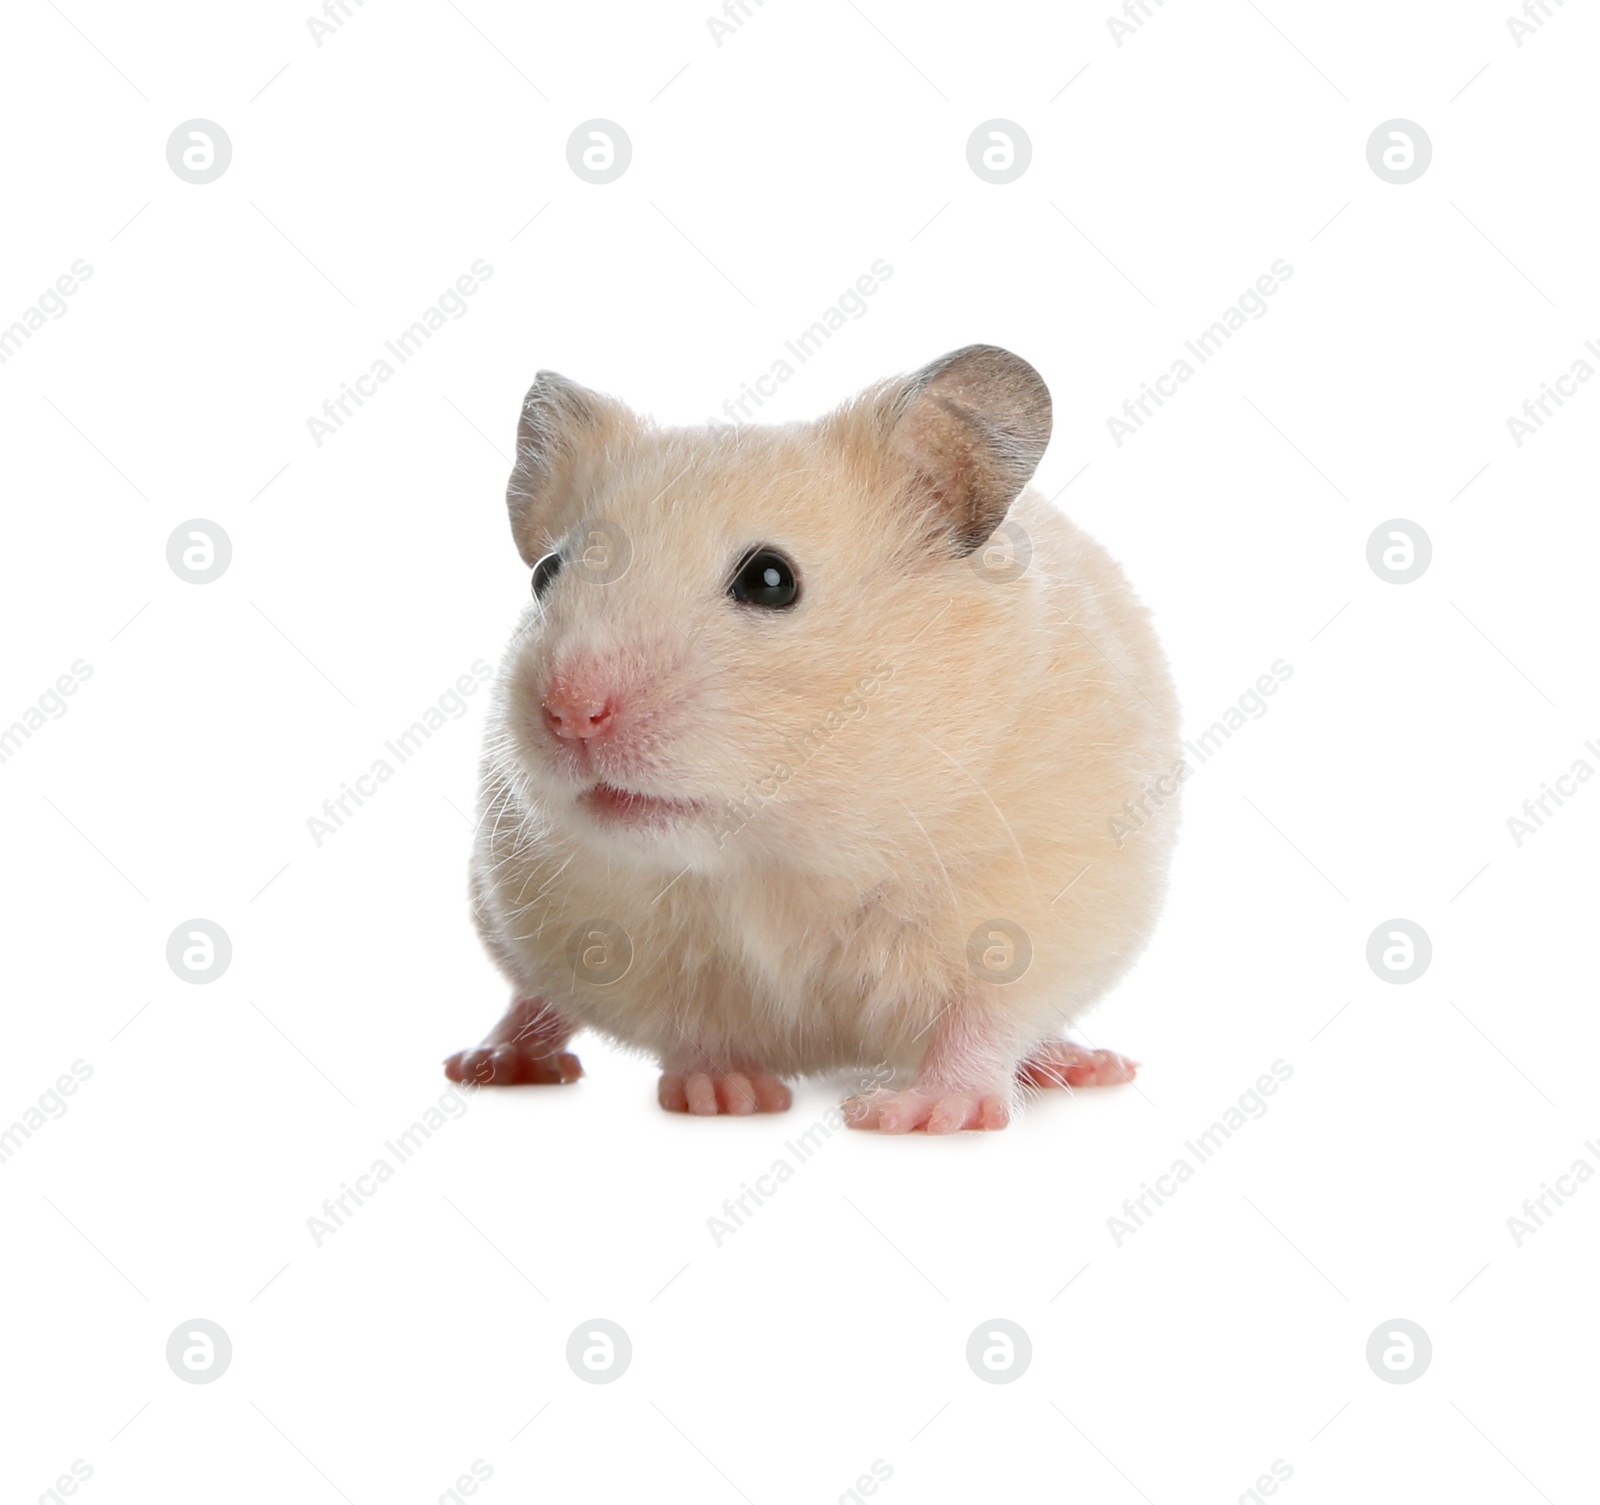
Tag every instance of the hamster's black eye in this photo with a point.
(544, 572)
(765, 578)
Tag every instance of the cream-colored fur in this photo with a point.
(921, 747)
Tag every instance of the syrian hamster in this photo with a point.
(821, 745)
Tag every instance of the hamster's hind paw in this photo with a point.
(1061, 1063)
(936, 1111)
(709, 1093)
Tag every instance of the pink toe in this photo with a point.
(993, 1113)
(1061, 1063)
(860, 1113)
(772, 1096)
(904, 1112)
(951, 1114)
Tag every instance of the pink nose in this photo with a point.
(577, 713)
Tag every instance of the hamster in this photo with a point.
(818, 746)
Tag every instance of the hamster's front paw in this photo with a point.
(935, 1109)
(522, 1050)
(511, 1066)
(708, 1093)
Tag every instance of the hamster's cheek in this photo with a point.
(519, 716)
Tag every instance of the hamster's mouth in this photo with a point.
(628, 808)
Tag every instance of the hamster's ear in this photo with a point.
(563, 428)
(972, 426)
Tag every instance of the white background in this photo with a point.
(368, 573)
